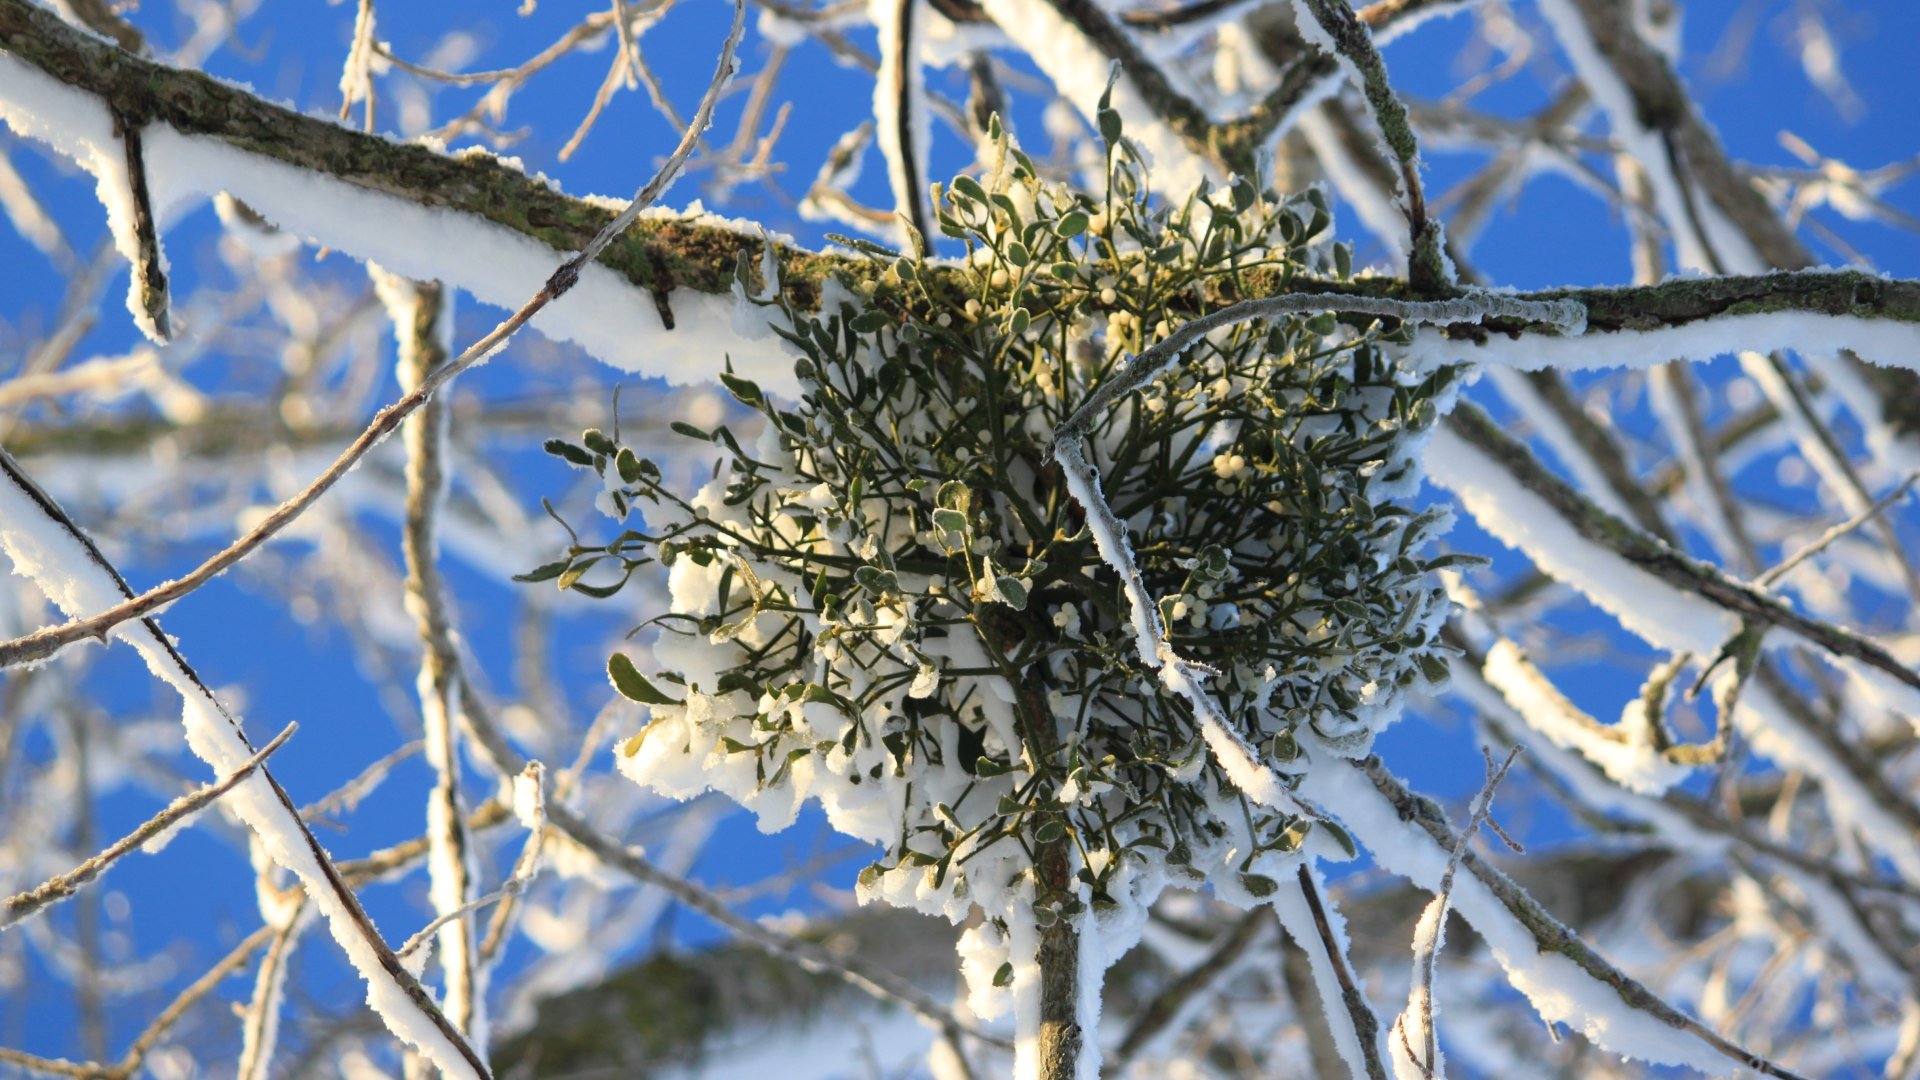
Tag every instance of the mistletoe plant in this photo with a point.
(889, 602)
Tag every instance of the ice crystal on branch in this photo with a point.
(888, 602)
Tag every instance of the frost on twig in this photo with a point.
(260, 1023)
(45, 643)
(43, 542)
(1414, 1040)
(53, 890)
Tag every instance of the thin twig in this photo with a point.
(58, 888)
(1824, 540)
(1427, 943)
(46, 642)
(348, 795)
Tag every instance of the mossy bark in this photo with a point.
(1669, 564)
(662, 254)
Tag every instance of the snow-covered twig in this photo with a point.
(45, 643)
(1320, 932)
(46, 544)
(56, 889)
(1567, 981)
(260, 1024)
(348, 795)
(1423, 1062)
(513, 886)
(530, 806)
(356, 76)
(150, 301)
(422, 320)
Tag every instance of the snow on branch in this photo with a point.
(468, 218)
(1320, 932)
(1666, 597)
(559, 283)
(46, 546)
(1702, 317)
(1565, 979)
(900, 110)
(1080, 47)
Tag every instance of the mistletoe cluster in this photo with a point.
(888, 602)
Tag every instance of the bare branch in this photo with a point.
(55, 889)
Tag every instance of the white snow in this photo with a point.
(1625, 753)
(1079, 72)
(75, 123)
(1714, 243)
(1560, 990)
(1649, 607)
(74, 579)
(603, 314)
(1882, 341)
(1290, 904)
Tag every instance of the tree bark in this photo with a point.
(659, 255)
(1060, 1036)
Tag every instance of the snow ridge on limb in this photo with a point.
(1238, 757)
(44, 643)
(468, 219)
(900, 109)
(1321, 933)
(1667, 598)
(46, 546)
(1565, 979)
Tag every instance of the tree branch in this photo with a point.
(45, 643)
(1676, 568)
(58, 888)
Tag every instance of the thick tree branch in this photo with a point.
(45, 643)
(656, 254)
(1671, 566)
(1550, 936)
